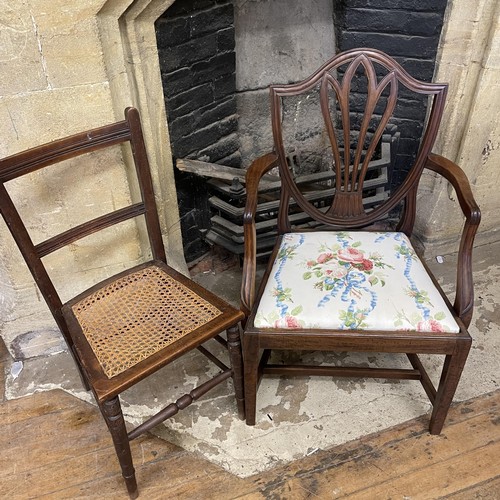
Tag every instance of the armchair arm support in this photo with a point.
(464, 297)
(254, 173)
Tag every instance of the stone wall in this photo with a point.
(67, 67)
(469, 60)
(197, 62)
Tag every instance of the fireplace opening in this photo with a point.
(217, 59)
(197, 60)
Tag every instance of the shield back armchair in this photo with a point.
(351, 280)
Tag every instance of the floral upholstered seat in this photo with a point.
(351, 280)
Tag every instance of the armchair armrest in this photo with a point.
(255, 172)
(464, 297)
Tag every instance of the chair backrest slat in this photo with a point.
(39, 157)
(88, 228)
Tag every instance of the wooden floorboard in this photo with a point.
(55, 446)
(487, 490)
(66, 453)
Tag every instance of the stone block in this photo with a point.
(225, 40)
(233, 160)
(172, 31)
(176, 82)
(186, 7)
(228, 125)
(408, 128)
(188, 53)
(218, 111)
(211, 69)
(412, 109)
(421, 5)
(423, 69)
(392, 44)
(69, 42)
(196, 141)
(224, 87)
(202, 117)
(221, 149)
(21, 63)
(186, 102)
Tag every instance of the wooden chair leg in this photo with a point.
(251, 368)
(450, 376)
(112, 413)
(235, 355)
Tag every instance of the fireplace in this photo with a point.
(218, 57)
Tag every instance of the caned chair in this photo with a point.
(129, 326)
(348, 279)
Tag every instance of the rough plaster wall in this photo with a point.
(469, 60)
(67, 67)
(51, 66)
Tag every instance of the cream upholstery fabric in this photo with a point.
(351, 280)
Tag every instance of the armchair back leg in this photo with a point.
(234, 348)
(251, 367)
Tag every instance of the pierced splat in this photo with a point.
(350, 174)
(357, 93)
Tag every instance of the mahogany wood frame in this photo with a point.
(107, 390)
(347, 213)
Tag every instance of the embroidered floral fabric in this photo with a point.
(351, 280)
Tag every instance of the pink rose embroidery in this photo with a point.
(351, 255)
(324, 257)
(430, 325)
(287, 322)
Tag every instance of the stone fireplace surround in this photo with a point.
(74, 66)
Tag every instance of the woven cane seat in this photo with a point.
(137, 315)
